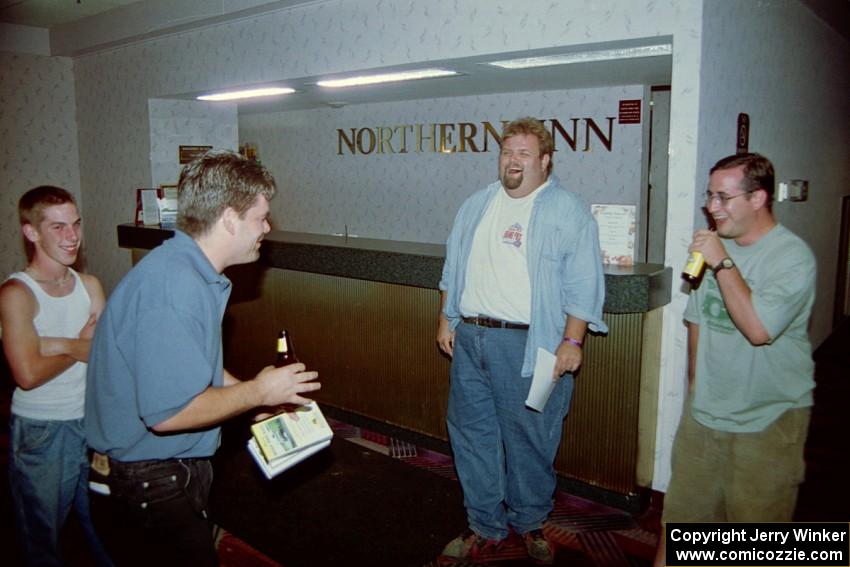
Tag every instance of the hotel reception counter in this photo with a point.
(363, 313)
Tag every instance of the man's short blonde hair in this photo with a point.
(533, 127)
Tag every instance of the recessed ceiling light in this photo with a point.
(584, 57)
(250, 93)
(387, 78)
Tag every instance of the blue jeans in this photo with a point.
(156, 512)
(48, 474)
(503, 451)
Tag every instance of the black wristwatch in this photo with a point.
(724, 264)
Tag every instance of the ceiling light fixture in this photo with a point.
(250, 93)
(386, 78)
(585, 57)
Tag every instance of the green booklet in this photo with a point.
(287, 438)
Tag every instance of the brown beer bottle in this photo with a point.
(285, 352)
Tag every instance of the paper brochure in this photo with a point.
(541, 383)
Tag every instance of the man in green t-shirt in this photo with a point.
(738, 453)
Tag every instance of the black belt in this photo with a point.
(493, 323)
(107, 466)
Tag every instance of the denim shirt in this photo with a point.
(564, 265)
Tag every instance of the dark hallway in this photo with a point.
(823, 495)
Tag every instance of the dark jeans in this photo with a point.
(156, 512)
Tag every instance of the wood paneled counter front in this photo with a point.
(363, 312)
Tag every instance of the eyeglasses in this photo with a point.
(721, 198)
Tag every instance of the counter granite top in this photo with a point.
(629, 289)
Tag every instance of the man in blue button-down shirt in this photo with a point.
(157, 390)
(523, 271)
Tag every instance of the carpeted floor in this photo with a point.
(347, 505)
(373, 500)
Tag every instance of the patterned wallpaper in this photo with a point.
(188, 123)
(38, 141)
(113, 87)
(414, 196)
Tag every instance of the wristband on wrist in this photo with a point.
(572, 341)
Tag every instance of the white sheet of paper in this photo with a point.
(541, 383)
(150, 208)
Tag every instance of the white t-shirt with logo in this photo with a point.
(497, 280)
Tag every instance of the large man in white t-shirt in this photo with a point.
(523, 271)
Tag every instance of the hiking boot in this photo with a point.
(538, 547)
(471, 545)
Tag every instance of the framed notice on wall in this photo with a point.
(616, 233)
(189, 153)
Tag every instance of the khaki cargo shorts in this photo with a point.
(719, 476)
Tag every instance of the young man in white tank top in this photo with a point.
(48, 313)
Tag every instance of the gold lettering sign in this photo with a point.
(579, 134)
